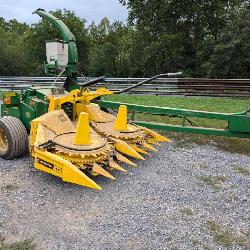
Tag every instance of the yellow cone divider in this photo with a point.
(137, 149)
(122, 158)
(116, 166)
(121, 119)
(148, 146)
(155, 135)
(99, 170)
(82, 136)
(151, 141)
(124, 148)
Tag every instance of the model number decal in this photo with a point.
(49, 165)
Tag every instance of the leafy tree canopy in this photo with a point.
(201, 38)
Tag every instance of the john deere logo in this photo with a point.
(27, 114)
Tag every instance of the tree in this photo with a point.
(231, 54)
(109, 48)
(12, 53)
(201, 38)
(173, 32)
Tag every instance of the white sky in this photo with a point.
(91, 10)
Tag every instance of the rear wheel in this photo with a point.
(13, 138)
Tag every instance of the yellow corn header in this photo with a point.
(92, 143)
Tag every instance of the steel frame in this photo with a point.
(238, 124)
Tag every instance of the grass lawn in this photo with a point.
(223, 105)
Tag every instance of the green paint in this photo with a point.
(29, 104)
(34, 102)
(69, 38)
(221, 105)
(238, 124)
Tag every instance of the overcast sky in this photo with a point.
(91, 10)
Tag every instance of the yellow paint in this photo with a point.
(121, 119)
(122, 158)
(138, 149)
(55, 102)
(151, 141)
(148, 146)
(11, 94)
(33, 133)
(155, 135)
(67, 165)
(55, 165)
(82, 136)
(124, 148)
(94, 111)
(78, 108)
(116, 166)
(99, 170)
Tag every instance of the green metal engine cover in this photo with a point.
(34, 102)
(29, 104)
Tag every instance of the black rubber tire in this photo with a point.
(17, 137)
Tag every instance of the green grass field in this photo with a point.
(223, 105)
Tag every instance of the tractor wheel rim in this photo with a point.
(3, 141)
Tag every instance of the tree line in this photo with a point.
(201, 38)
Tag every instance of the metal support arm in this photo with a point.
(238, 124)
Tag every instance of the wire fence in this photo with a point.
(160, 86)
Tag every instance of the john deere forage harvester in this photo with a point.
(70, 136)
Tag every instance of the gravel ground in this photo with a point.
(165, 203)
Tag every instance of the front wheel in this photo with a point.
(13, 138)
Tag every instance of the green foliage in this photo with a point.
(242, 170)
(22, 47)
(223, 105)
(177, 34)
(109, 48)
(214, 182)
(201, 38)
(12, 53)
(231, 54)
